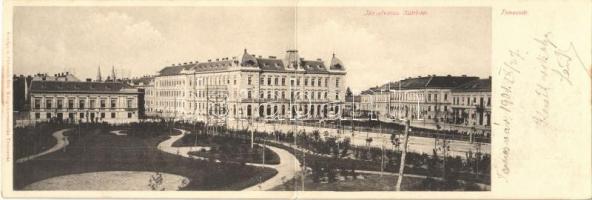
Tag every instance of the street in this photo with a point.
(416, 144)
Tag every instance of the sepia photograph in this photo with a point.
(296, 99)
(252, 98)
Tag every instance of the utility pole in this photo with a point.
(403, 154)
(382, 159)
(252, 138)
(445, 145)
(264, 151)
(207, 107)
(194, 99)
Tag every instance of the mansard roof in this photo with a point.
(248, 59)
(313, 66)
(81, 87)
(336, 64)
(481, 85)
(270, 64)
(251, 61)
(430, 82)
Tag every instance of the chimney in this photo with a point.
(190, 62)
(318, 59)
(259, 56)
(464, 75)
(209, 60)
(173, 64)
(272, 57)
(217, 59)
(88, 80)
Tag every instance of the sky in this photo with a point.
(140, 41)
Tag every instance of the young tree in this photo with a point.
(348, 92)
(345, 146)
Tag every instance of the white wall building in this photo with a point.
(456, 102)
(76, 101)
(249, 87)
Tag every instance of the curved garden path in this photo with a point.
(62, 141)
(118, 132)
(287, 169)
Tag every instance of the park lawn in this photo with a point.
(33, 140)
(98, 150)
(345, 166)
(228, 148)
(370, 182)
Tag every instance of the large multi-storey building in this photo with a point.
(249, 87)
(433, 100)
(77, 101)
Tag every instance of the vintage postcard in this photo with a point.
(296, 99)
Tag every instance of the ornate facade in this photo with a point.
(249, 87)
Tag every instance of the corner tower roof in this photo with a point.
(248, 59)
(336, 64)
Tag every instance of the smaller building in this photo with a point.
(471, 107)
(77, 101)
(352, 106)
(144, 85)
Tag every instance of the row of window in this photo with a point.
(216, 80)
(263, 94)
(468, 101)
(293, 95)
(277, 81)
(415, 97)
(170, 83)
(171, 93)
(81, 103)
(264, 80)
(81, 115)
